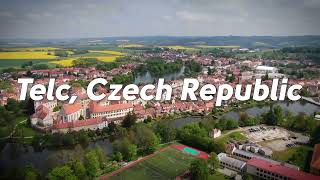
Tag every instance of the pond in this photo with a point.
(295, 108)
(148, 78)
(15, 155)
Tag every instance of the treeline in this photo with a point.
(276, 116)
(192, 68)
(159, 67)
(13, 110)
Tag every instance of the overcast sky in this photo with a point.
(102, 18)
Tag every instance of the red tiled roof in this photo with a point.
(95, 108)
(71, 108)
(78, 123)
(315, 162)
(41, 112)
(281, 170)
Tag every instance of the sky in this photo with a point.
(105, 18)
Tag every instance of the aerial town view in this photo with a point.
(152, 48)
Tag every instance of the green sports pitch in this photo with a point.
(166, 164)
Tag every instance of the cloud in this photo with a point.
(81, 18)
(194, 17)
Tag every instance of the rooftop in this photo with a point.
(281, 170)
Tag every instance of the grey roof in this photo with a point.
(231, 161)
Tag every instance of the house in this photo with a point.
(41, 117)
(45, 102)
(214, 133)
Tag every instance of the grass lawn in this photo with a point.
(234, 135)
(164, 165)
(299, 156)
(23, 129)
(217, 176)
(5, 131)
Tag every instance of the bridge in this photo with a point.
(310, 100)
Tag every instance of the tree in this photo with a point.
(146, 140)
(64, 173)
(91, 162)
(117, 156)
(278, 115)
(102, 157)
(213, 162)
(30, 173)
(55, 109)
(129, 120)
(111, 128)
(166, 132)
(78, 168)
(315, 136)
(126, 148)
(199, 170)
(231, 124)
(83, 138)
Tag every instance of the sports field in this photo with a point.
(167, 163)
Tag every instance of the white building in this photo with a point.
(266, 69)
(109, 111)
(214, 133)
(48, 104)
(231, 163)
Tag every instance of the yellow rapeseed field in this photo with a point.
(107, 58)
(179, 47)
(64, 62)
(130, 45)
(110, 52)
(26, 55)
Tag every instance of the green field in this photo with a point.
(5, 63)
(164, 165)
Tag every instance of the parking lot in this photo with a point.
(276, 138)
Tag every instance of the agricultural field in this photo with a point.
(179, 47)
(110, 52)
(165, 165)
(27, 55)
(131, 45)
(15, 57)
(64, 62)
(217, 47)
(30, 49)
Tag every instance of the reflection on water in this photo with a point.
(15, 155)
(295, 108)
(148, 78)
